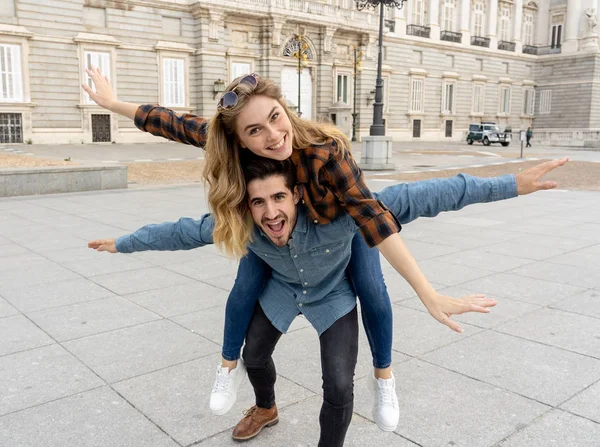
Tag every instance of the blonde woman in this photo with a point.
(252, 115)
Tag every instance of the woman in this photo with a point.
(252, 115)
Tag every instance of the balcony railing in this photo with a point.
(479, 41)
(550, 49)
(418, 30)
(506, 46)
(451, 36)
(530, 49)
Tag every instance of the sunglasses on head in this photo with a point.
(230, 99)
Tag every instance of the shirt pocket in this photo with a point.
(327, 255)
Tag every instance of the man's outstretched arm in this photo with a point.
(185, 234)
(428, 198)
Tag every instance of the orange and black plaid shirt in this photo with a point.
(332, 184)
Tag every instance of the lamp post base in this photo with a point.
(376, 153)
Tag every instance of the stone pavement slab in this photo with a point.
(585, 403)
(121, 349)
(440, 407)
(176, 399)
(573, 332)
(96, 418)
(556, 428)
(524, 367)
(30, 378)
(129, 352)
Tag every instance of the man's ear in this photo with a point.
(296, 195)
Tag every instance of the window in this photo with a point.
(505, 24)
(505, 100)
(478, 98)
(556, 34)
(528, 101)
(545, 101)
(11, 79)
(478, 19)
(96, 59)
(173, 82)
(528, 29)
(418, 12)
(342, 88)
(448, 24)
(239, 69)
(448, 97)
(416, 95)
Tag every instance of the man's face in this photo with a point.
(273, 207)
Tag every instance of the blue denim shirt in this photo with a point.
(309, 272)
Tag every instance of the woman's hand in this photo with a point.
(443, 307)
(104, 95)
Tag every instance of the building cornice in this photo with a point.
(15, 30)
(100, 39)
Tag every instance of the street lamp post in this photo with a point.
(302, 55)
(357, 69)
(378, 128)
(377, 148)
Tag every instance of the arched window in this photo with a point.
(293, 45)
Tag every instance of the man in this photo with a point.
(308, 264)
(528, 136)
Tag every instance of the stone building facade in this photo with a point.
(446, 63)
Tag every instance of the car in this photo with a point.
(488, 133)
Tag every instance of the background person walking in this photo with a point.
(529, 136)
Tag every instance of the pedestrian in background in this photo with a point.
(529, 136)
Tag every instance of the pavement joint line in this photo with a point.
(174, 159)
(491, 154)
(383, 180)
(110, 161)
(143, 160)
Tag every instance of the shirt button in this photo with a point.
(327, 251)
(305, 283)
(303, 201)
(300, 305)
(301, 270)
(295, 256)
(304, 292)
(315, 221)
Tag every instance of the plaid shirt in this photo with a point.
(333, 184)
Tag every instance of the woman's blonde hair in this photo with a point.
(223, 171)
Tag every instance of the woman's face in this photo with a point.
(263, 127)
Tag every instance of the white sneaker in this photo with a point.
(224, 392)
(386, 412)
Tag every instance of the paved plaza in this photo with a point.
(120, 350)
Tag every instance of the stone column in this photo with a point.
(465, 16)
(574, 15)
(492, 17)
(518, 26)
(434, 19)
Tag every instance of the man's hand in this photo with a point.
(104, 245)
(443, 307)
(104, 95)
(528, 181)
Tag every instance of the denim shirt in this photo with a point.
(309, 272)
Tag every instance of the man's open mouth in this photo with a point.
(276, 227)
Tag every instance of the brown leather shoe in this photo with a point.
(255, 419)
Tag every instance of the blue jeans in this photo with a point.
(364, 271)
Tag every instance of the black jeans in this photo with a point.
(339, 352)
